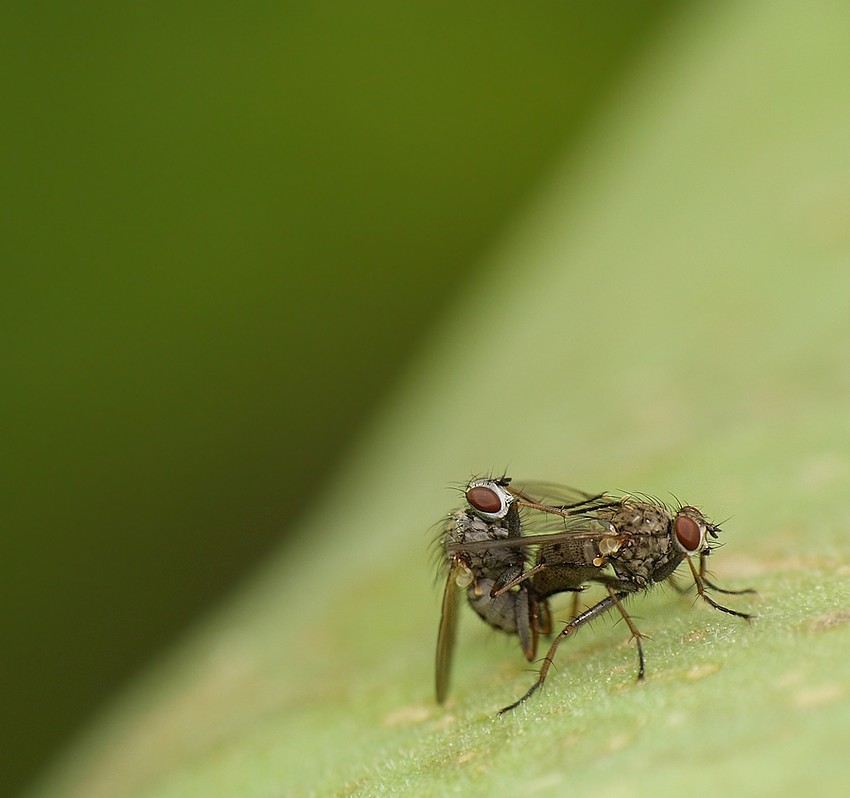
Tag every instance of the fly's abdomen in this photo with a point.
(498, 611)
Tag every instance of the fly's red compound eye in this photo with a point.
(489, 499)
(484, 499)
(689, 533)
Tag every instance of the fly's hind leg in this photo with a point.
(636, 635)
(598, 609)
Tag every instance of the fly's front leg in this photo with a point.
(588, 615)
(709, 584)
(701, 583)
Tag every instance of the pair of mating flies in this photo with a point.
(625, 544)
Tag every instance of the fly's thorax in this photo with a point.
(465, 526)
(648, 552)
(639, 519)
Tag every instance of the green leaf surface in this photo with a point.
(672, 314)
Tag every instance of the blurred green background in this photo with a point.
(225, 232)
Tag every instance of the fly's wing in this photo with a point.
(547, 530)
(447, 633)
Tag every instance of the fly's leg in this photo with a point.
(588, 615)
(544, 624)
(511, 578)
(636, 635)
(574, 607)
(588, 503)
(525, 612)
(701, 584)
(671, 580)
(709, 584)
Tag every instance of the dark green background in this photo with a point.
(224, 231)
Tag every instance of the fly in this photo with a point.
(625, 544)
(485, 556)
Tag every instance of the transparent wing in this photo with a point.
(527, 541)
(447, 633)
(545, 532)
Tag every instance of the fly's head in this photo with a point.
(488, 514)
(692, 530)
(487, 504)
(489, 499)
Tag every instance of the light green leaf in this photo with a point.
(671, 314)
